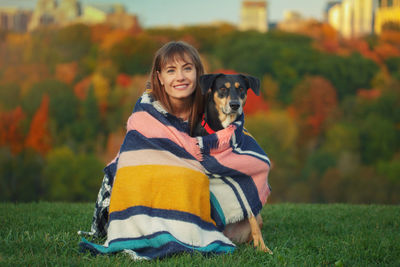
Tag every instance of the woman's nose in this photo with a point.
(180, 75)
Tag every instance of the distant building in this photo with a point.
(292, 21)
(44, 14)
(353, 18)
(65, 12)
(334, 16)
(254, 16)
(387, 13)
(114, 15)
(14, 19)
(346, 23)
(364, 16)
(328, 6)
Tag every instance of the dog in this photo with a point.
(225, 98)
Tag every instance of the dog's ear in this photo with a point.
(253, 83)
(206, 82)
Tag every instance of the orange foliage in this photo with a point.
(387, 50)
(390, 36)
(124, 80)
(25, 75)
(67, 72)
(113, 37)
(99, 31)
(225, 71)
(39, 137)
(254, 104)
(369, 94)
(81, 88)
(314, 100)
(10, 132)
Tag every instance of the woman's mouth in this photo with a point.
(181, 86)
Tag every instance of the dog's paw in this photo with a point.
(260, 245)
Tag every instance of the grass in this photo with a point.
(44, 234)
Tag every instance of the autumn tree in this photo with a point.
(314, 100)
(11, 133)
(39, 137)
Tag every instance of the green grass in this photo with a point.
(44, 234)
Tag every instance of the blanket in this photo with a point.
(173, 193)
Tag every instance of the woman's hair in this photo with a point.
(168, 53)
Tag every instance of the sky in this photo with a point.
(153, 13)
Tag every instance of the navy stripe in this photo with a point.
(161, 213)
(245, 182)
(134, 140)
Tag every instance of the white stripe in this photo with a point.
(249, 152)
(227, 199)
(143, 225)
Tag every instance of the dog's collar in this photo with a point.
(206, 126)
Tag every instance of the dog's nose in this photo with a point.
(234, 105)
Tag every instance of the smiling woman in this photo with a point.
(174, 81)
(179, 81)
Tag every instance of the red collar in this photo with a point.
(206, 126)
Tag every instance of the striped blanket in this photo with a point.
(173, 193)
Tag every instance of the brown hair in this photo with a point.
(170, 52)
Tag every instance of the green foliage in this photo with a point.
(393, 64)
(72, 43)
(20, 176)
(70, 177)
(134, 55)
(347, 74)
(9, 96)
(378, 139)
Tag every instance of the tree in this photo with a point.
(9, 96)
(11, 134)
(71, 177)
(39, 137)
(314, 100)
(378, 139)
(20, 175)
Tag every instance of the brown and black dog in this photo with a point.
(225, 99)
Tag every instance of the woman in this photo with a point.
(169, 191)
(162, 121)
(174, 81)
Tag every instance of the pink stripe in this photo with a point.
(251, 166)
(150, 127)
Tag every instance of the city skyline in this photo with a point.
(181, 12)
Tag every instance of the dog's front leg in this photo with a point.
(256, 235)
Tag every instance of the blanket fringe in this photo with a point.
(224, 136)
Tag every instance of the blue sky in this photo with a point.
(178, 12)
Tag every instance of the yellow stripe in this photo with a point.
(162, 187)
(246, 132)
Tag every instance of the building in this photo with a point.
(353, 18)
(334, 16)
(364, 17)
(292, 21)
(254, 16)
(44, 14)
(14, 19)
(387, 13)
(66, 12)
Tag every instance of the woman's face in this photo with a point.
(178, 78)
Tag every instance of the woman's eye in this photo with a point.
(188, 68)
(170, 70)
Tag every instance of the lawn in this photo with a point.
(45, 234)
